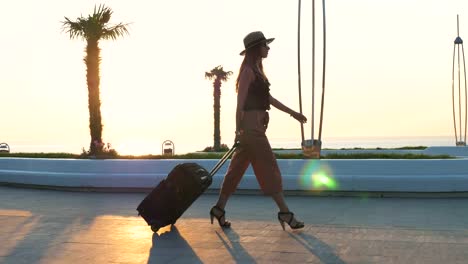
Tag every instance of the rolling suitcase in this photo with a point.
(173, 195)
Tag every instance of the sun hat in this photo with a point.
(253, 39)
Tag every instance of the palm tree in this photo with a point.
(219, 75)
(92, 29)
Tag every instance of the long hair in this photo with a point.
(251, 57)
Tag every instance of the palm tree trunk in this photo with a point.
(217, 110)
(92, 60)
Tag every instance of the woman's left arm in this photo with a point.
(277, 104)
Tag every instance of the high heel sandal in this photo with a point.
(294, 225)
(220, 217)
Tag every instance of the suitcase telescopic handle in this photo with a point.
(224, 159)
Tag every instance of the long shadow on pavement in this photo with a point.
(233, 246)
(321, 250)
(169, 244)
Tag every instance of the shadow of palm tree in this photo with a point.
(321, 250)
(233, 246)
(19, 237)
(164, 245)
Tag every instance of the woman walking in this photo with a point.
(253, 103)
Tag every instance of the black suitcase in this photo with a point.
(173, 195)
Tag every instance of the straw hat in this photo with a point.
(253, 39)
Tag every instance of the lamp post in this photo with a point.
(458, 43)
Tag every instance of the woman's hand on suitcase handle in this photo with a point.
(237, 138)
(237, 141)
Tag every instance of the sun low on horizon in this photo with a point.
(388, 71)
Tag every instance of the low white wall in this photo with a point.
(447, 175)
(461, 152)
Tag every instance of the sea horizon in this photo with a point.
(287, 143)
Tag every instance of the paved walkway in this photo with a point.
(44, 226)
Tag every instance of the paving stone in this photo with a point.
(43, 226)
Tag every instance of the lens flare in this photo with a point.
(316, 175)
(323, 181)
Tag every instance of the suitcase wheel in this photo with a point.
(155, 228)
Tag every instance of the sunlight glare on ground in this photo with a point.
(317, 175)
(124, 239)
(114, 231)
(4, 212)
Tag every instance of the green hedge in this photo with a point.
(202, 155)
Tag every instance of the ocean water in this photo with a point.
(373, 142)
(180, 148)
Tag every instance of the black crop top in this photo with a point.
(258, 95)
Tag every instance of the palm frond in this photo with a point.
(226, 75)
(209, 75)
(94, 26)
(73, 29)
(114, 32)
(218, 73)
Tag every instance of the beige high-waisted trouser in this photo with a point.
(256, 150)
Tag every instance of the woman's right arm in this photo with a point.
(246, 77)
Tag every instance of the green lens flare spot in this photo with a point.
(323, 181)
(317, 175)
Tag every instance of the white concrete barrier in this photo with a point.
(444, 175)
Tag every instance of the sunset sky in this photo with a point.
(388, 70)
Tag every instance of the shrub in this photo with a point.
(223, 147)
(107, 152)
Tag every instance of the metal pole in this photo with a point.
(459, 83)
(299, 66)
(453, 94)
(466, 101)
(323, 74)
(313, 70)
(459, 92)
(464, 72)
